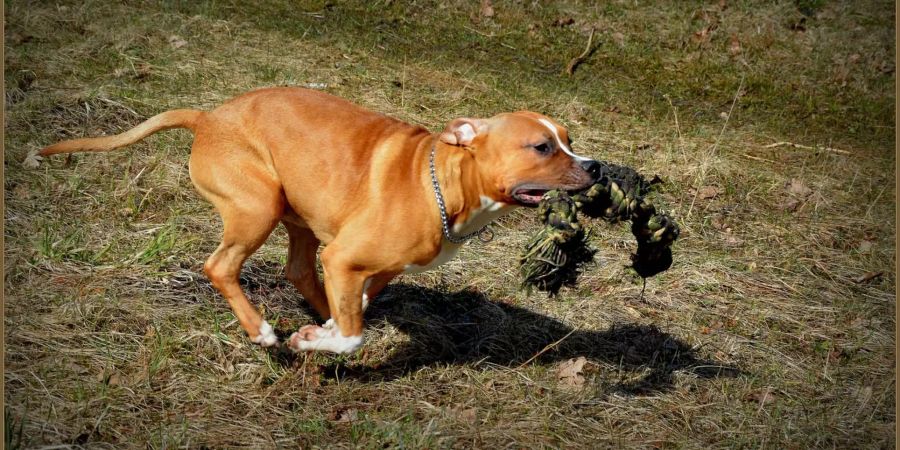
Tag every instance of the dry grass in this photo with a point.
(757, 337)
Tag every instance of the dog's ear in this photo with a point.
(461, 132)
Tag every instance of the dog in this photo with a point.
(383, 196)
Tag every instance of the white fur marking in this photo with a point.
(489, 211)
(466, 133)
(266, 336)
(365, 298)
(448, 251)
(329, 340)
(558, 140)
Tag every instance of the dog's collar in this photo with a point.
(445, 223)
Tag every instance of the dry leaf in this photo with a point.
(864, 246)
(790, 204)
(867, 277)
(709, 192)
(734, 48)
(344, 416)
(32, 161)
(569, 372)
(467, 415)
(21, 192)
(176, 41)
(718, 221)
(762, 396)
(563, 21)
(487, 9)
(703, 35)
(796, 187)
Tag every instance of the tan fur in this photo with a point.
(346, 177)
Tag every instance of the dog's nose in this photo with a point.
(592, 168)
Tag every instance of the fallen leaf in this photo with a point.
(703, 35)
(709, 192)
(19, 38)
(734, 48)
(867, 277)
(718, 221)
(864, 246)
(32, 160)
(21, 192)
(487, 8)
(563, 21)
(467, 415)
(790, 204)
(762, 396)
(344, 415)
(143, 71)
(796, 187)
(569, 372)
(176, 41)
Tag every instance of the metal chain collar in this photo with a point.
(443, 209)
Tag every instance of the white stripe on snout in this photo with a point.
(561, 145)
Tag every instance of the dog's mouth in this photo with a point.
(531, 194)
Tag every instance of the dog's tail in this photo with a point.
(176, 118)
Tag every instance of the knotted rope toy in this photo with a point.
(556, 255)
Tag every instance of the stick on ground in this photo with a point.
(570, 69)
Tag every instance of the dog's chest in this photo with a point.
(448, 251)
(487, 213)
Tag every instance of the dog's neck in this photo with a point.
(466, 193)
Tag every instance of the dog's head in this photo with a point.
(521, 155)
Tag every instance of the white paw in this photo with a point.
(311, 338)
(266, 336)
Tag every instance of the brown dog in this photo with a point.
(357, 181)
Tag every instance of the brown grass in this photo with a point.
(757, 337)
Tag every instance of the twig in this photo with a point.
(677, 128)
(548, 347)
(757, 158)
(715, 146)
(806, 147)
(570, 69)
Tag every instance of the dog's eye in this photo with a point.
(543, 148)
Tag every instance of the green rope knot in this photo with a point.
(555, 256)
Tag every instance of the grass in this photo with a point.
(757, 337)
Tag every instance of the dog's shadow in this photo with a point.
(465, 327)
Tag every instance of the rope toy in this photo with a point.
(556, 255)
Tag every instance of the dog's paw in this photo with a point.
(303, 338)
(266, 336)
(314, 337)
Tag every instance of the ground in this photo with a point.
(773, 328)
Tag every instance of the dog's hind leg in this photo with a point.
(301, 267)
(251, 205)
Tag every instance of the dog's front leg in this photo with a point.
(344, 284)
